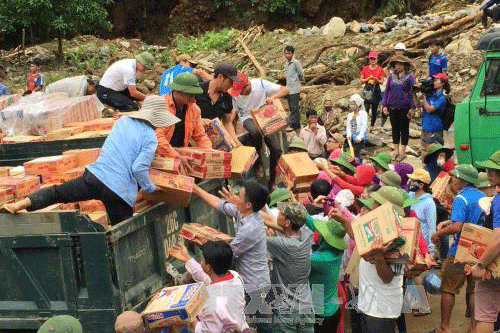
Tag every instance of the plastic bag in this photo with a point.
(415, 299)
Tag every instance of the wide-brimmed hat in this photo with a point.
(298, 144)
(421, 175)
(185, 57)
(437, 148)
(146, 59)
(391, 178)
(129, 322)
(294, 211)
(333, 233)
(339, 138)
(343, 162)
(492, 163)
(154, 110)
(482, 180)
(383, 159)
(279, 195)
(186, 83)
(401, 59)
(368, 202)
(61, 324)
(466, 172)
(238, 85)
(389, 194)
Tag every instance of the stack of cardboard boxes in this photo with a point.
(442, 190)
(207, 163)
(200, 234)
(299, 169)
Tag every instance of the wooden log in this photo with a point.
(256, 63)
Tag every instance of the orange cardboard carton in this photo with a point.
(90, 206)
(175, 189)
(297, 167)
(70, 206)
(5, 171)
(101, 124)
(199, 156)
(73, 173)
(63, 133)
(210, 171)
(169, 164)
(101, 217)
(441, 189)
(22, 186)
(270, 118)
(50, 165)
(22, 138)
(175, 305)
(84, 156)
(410, 229)
(472, 244)
(382, 221)
(7, 194)
(242, 160)
(200, 234)
(219, 136)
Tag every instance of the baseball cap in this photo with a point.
(372, 55)
(129, 322)
(442, 76)
(238, 86)
(227, 69)
(400, 47)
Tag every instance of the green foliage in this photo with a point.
(210, 40)
(164, 57)
(277, 6)
(394, 7)
(82, 59)
(54, 17)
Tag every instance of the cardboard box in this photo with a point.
(200, 156)
(22, 186)
(175, 189)
(63, 133)
(169, 164)
(352, 268)
(270, 118)
(472, 244)
(101, 217)
(141, 205)
(175, 305)
(210, 171)
(410, 231)
(5, 171)
(382, 221)
(90, 206)
(84, 156)
(90, 134)
(441, 189)
(219, 136)
(297, 167)
(73, 173)
(22, 138)
(243, 158)
(52, 179)
(50, 165)
(200, 234)
(70, 206)
(54, 207)
(101, 124)
(7, 194)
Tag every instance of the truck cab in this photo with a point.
(477, 117)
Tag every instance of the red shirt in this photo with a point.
(378, 72)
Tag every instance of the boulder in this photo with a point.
(473, 72)
(460, 46)
(150, 84)
(390, 23)
(355, 27)
(351, 51)
(365, 28)
(125, 44)
(336, 27)
(415, 134)
(315, 30)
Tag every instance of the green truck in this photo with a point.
(477, 117)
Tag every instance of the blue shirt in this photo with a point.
(169, 75)
(437, 63)
(4, 90)
(426, 212)
(495, 211)
(465, 209)
(431, 122)
(127, 153)
(249, 247)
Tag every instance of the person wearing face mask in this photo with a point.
(437, 159)
(398, 103)
(425, 207)
(330, 117)
(357, 125)
(434, 106)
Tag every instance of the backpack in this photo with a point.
(448, 116)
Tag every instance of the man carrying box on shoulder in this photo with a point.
(251, 94)
(182, 103)
(487, 292)
(225, 309)
(248, 245)
(465, 210)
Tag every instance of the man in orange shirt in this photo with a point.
(182, 103)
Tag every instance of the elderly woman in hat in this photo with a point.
(398, 103)
(122, 166)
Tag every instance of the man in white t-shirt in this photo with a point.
(117, 87)
(254, 93)
(75, 86)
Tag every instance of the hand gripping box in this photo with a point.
(406, 254)
(298, 167)
(441, 189)
(175, 305)
(270, 118)
(382, 221)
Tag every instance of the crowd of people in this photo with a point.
(286, 268)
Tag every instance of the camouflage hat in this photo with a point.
(296, 212)
(61, 324)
